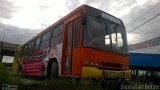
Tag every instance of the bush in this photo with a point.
(15, 80)
(3, 73)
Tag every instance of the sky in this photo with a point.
(20, 20)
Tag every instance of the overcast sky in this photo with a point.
(20, 20)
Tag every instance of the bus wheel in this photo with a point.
(54, 70)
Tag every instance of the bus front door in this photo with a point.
(71, 50)
(67, 60)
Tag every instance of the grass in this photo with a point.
(52, 84)
(70, 84)
(49, 84)
(45, 84)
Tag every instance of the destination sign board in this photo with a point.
(111, 18)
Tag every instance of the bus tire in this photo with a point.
(54, 70)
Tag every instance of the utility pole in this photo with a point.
(18, 41)
(1, 56)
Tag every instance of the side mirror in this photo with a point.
(83, 19)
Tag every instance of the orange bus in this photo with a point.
(86, 43)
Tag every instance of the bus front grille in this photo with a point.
(111, 65)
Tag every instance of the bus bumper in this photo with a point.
(94, 72)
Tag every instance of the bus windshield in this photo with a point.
(104, 35)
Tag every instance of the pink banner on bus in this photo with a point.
(33, 65)
(34, 68)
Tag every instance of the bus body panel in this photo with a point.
(56, 52)
(95, 63)
(105, 56)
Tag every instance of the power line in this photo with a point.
(19, 34)
(143, 15)
(144, 23)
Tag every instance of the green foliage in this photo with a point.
(48, 84)
(3, 73)
(70, 84)
(15, 80)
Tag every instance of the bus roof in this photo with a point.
(84, 9)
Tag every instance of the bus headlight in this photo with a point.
(86, 62)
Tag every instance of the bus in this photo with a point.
(86, 43)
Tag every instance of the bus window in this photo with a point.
(117, 41)
(69, 36)
(57, 35)
(77, 34)
(30, 47)
(45, 40)
(107, 40)
(37, 43)
(97, 34)
(25, 49)
(46, 36)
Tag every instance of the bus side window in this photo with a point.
(30, 46)
(45, 40)
(56, 35)
(25, 49)
(77, 34)
(37, 44)
(69, 36)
